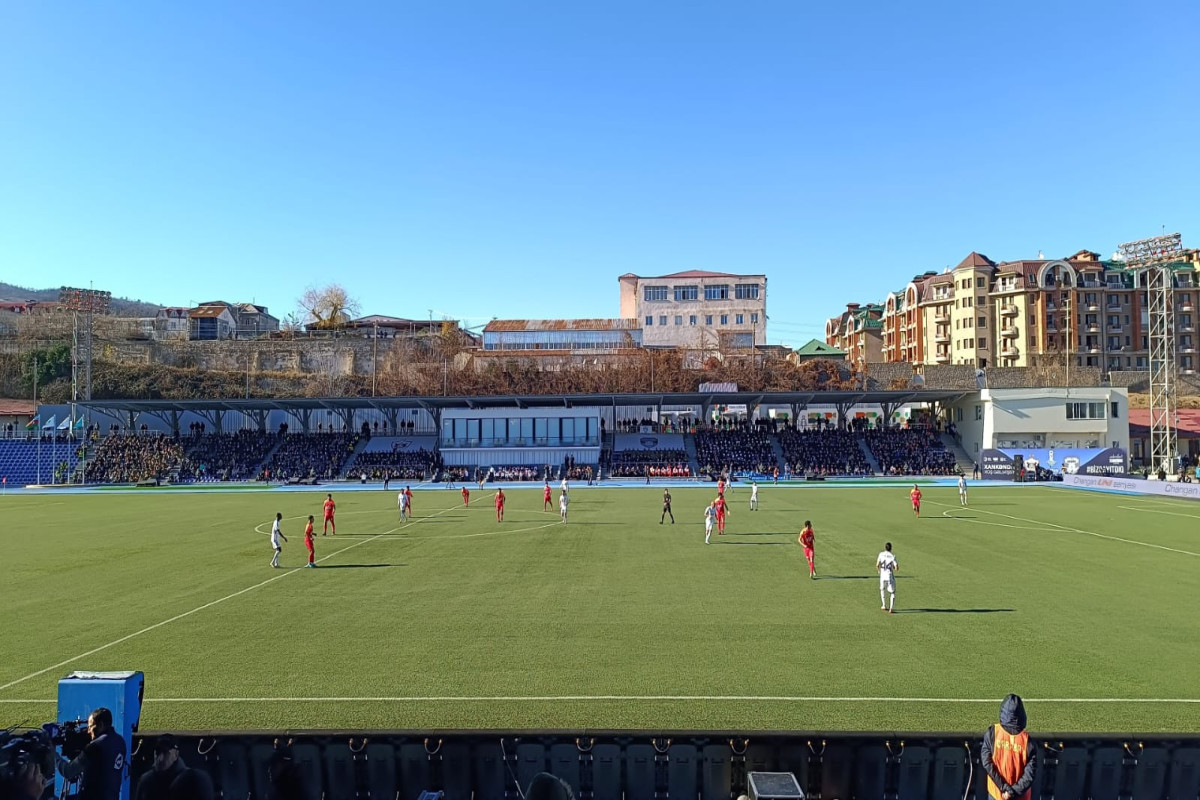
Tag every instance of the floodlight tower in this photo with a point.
(1159, 258)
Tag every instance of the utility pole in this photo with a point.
(374, 355)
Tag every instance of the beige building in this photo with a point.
(858, 333)
(697, 310)
(1032, 311)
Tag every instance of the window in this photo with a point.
(754, 319)
(649, 321)
(683, 293)
(980, 283)
(983, 344)
(678, 319)
(978, 413)
(740, 319)
(1085, 410)
(746, 291)
(724, 319)
(662, 320)
(654, 294)
(717, 292)
(708, 319)
(983, 322)
(692, 319)
(1116, 407)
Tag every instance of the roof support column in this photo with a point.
(303, 416)
(259, 415)
(347, 416)
(216, 417)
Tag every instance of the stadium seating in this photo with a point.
(404, 457)
(131, 458)
(313, 455)
(910, 451)
(225, 457)
(19, 461)
(738, 449)
(661, 463)
(643, 767)
(822, 452)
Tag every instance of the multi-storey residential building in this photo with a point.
(1080, 310)
(857, 332)
(697, 310)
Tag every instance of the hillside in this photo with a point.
(121, 306)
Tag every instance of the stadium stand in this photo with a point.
(403, 457)
(661, 463)
(822, 452)
(128, 458)
(741, 448)
(225, 456)
(513, 472)
(910, 451)
(19, 461)
(315, 455)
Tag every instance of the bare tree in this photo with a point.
(328, 307)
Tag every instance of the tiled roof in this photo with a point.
(203, 312)
(816, 347)
(510, 325)
(1188, 422)
(975, 260)
(17, 408)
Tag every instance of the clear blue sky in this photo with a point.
(512, 159)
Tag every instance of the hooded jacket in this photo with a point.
(1012, 720)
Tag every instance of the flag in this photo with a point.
(79, 424)
(50, 423)
(33, 423)
(65, 424)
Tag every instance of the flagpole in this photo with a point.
(38, 430)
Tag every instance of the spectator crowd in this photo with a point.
(910, 451)
(822, 452)
(319, 455)
(660, 463)
(225, 456)
(736, 447)
(130, 459)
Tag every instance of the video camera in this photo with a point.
(19, 750)
(37, 746)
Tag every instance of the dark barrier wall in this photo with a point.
(355, 766)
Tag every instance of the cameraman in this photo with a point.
(102, 762)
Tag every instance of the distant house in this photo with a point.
(171, 323)
(249, 320)
(817, 349)
(210, 323)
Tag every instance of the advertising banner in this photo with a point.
(1186, 491)
(999, 464)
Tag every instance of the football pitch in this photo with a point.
(1088, 605)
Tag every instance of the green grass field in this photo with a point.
(612, 621)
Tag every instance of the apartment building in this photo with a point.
(697, 310)
(857, 332)
(1020, 313)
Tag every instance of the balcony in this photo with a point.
(1187, 348)
(1186, 327)
(1092, 327)
(1092, 305)
(1008, 310)
(1008, 332)
(942, 317)
(1185, 306)
(1092, 348)
(1010, 351)
(942, 358)
(942, 338)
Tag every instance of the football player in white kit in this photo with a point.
(886, 565)
(710, 514)
(754, 495)
(402, 504)
(562, 506)
(962, 490)
(276, 535)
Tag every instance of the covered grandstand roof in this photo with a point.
(535, 401)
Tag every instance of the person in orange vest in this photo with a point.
(1007, 754)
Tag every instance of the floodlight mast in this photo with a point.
(1159, 257)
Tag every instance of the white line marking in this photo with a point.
(178, 617)
(1157, 511)
(647, 698)
(1064, 528)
